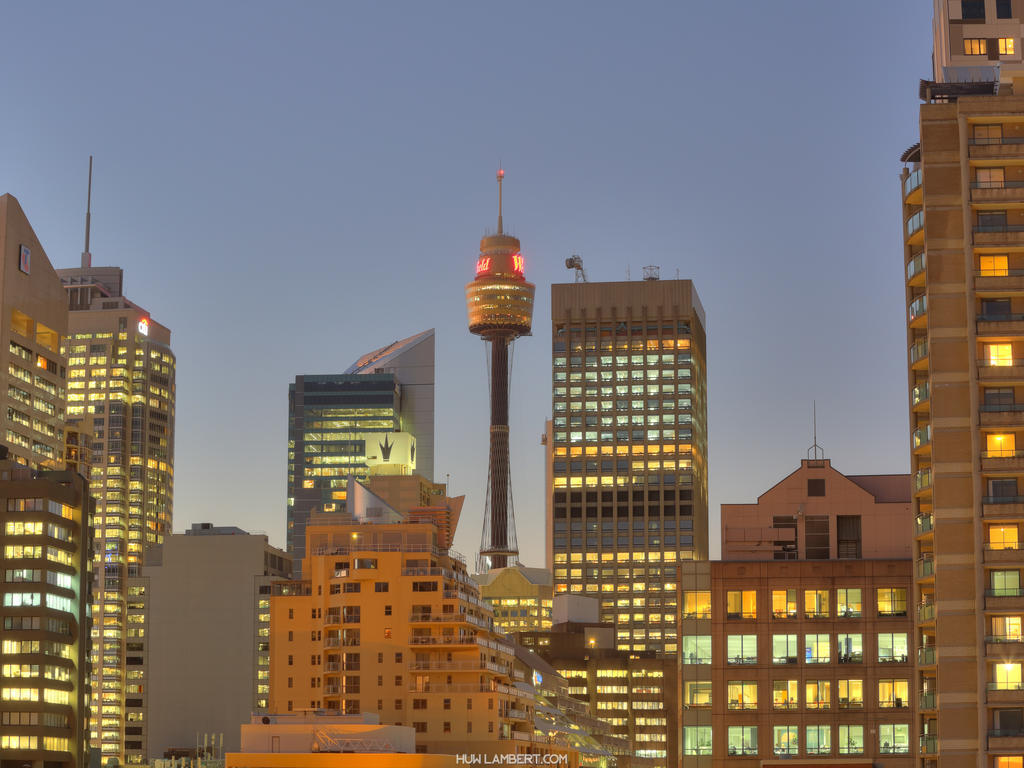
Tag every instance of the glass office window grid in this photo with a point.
(627, 456)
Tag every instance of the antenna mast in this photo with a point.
(815, 451)
(86, 256)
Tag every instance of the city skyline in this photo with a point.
(785, 210)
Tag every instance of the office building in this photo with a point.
(121, 392)
(808, 654)
(385, 620)
(962, 190)
(627, 449)
(376, 418)
(199, 658)
(44, 679)
(520, 597)
(33, 324)
(499, 305)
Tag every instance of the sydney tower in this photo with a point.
(500, 307)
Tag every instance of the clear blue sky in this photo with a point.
(289, 185)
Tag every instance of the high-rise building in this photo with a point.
(33, 324)
(962, 191)
(45, 594)
(627, 449)
(376, 418)
(499, 304)
(121, 391)
(201, 663)
(520, 597)
(386, 620)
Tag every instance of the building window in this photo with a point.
(816, 603)
(696, 605)
(892, 601)
(784, 603)
(972, 10)
(742, 739)
(742, 694)
(741, 649)
(816, 487)
(784, 649)
(851, 694)
(975, 46)
(817, 649)
(848, 603)
(892, 648)
(697, 740)
(993, 266)
(786, 740)
(1006, 629)
(1005, 583)
(999, 354)
(818, 694)
(819, 740)
(785, 694)
(894, 739)
(1007, 677)
(851, 739)
(696, 649)
(696, 693)
(741, 604)
(893, 694)
(850, 648)
(1007, 46)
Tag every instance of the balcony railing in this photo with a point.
(926, 655)
(918, 351)
(1002, 499)
(926, 611)
(922, 436)
(918, 308)
(925, 567)
(1002, 453)
(923, 479)
(915, 223)
(1005, 592)
(1000, 317)
(912, 182)
(917, 265)
(1002, 408)
(1005, 685)
(920, 393)
(929, 744)
(927, 700)
(984, 228)
(1004, 639)
(923, 523)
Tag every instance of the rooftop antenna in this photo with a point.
(86, 256)
(815, 452)
(501, 175)
(627, 273)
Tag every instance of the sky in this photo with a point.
(290, 185)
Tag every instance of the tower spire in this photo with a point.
(86, 256)
(501, 175)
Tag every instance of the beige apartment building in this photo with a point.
(627, 450)
(200, 663)
(962, 188)
(33, 325)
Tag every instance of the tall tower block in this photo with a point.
(500, 308)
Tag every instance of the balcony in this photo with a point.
(912, 188)
(924, 523)
(1003, 554)
(997, 191)
(998, 234)
(926, 700)
(926, 656)
(919, 397)
(924, 569)
(442, 640)
(1008, 415)
(1004, 599)
(1007, 371)
(916, 269)
(1008, 146)
(923, 480)
(921, 439)
(1002, 460)
(1001, 324)
(996, 507)
(917, 312)
(914, 228)
(999, 281)
(929, 744)
(919, 355)
(1005, 692)
(1008, 740)
(925, 613)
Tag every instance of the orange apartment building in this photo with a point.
(810, 654)
(387, 620)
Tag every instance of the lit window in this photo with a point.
(851, 739)
(1002, 537)
(1007, 629)
(993, 266)
(785, 694)
(851, 694)
(1007, 677)
(742, 695)
(894, 739)
(1000, 445)
(975, 46)
(741, 604)
(786, 740)
(894, 693)
(784, 603)
(742, 739)
(1006, 46)
(999, 354)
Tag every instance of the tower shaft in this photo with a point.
(498, 466)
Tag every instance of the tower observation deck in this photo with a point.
(499, 304)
